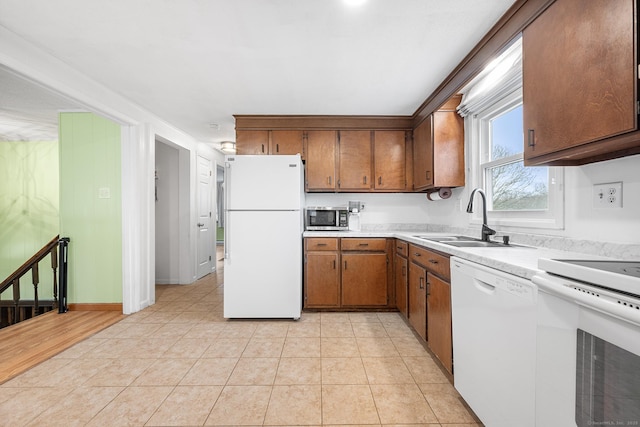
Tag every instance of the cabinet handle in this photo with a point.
(334, 264)
(531, 142)
(263, 148)
(379, 180)
(399, 247)
(329, 179)
(404, 271)
(364, 180)
(421, 283)
(345, 265)
(428, 289)
(433, 261)
(277, 148)
(427, 175)
(321, 244)
(417, 254)
(363, 244)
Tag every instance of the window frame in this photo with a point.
(478, 140)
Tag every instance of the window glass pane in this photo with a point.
(506, 134)
(514, 187)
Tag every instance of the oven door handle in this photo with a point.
(620, 311)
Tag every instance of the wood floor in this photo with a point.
(33, 341)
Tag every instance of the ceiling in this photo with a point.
(195, 63)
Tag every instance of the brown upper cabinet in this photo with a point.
(275, 142)
(355, 160)
(580, 83)
(438, 149)
(390, 160)
(252, 142)
(320, 168)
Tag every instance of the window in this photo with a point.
(516, 195)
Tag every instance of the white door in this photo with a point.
(205, 233)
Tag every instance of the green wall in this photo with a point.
(90, 207)
(28, 209)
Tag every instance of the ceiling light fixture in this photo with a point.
(228, 147)
(354, 3)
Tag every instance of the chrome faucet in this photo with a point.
(486, 231)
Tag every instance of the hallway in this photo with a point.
(180, 363)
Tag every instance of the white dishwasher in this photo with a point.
(494, 343)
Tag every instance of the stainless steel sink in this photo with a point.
(443, 238)
(462, 241)
(476, 244)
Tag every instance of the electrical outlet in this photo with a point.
(607, 195)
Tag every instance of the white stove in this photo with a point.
(588, 342)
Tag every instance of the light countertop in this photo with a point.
(516, 259)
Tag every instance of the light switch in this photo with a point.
(104, 193)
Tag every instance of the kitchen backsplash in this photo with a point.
(613, 250)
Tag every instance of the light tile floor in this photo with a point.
(180, 363)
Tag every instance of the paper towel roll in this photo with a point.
(439, 194)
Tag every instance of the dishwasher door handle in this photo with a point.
(483, 286)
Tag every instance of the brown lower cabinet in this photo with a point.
(418, 299)
(429, 303)
(347, 273)
(401, 272)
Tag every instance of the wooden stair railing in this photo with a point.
(32, 265)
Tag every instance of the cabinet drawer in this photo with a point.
(321, 243)
(402, 248)
(432, 261)
(365, 244)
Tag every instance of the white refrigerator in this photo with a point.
(264, 196)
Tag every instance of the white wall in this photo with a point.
(388, 208)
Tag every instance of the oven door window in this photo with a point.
(607, 383)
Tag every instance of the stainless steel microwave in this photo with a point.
(326, 218)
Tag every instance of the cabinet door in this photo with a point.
(320, 165)
(389, 153)
(423, 155)
(322, 280)
(447, 150)
(418, 299)
(286, 142)
(355, 160)
(578, 75)
(439, 320)
(401, 282)
(252, 142)
(364, 279)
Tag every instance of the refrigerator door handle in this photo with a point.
(227, 234)
(227, 228)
